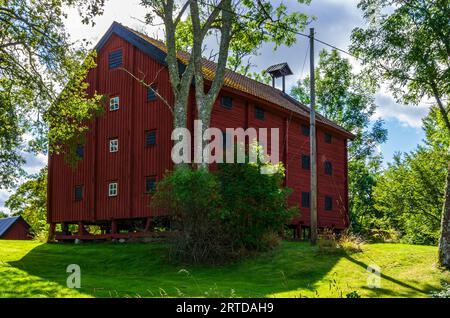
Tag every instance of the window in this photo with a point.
(114, 104)
(151, 95)
(78, 193)
(328, 203)
(226, 102)
(328, 168)
(259, 113)
(328, 138)
(305, 162)
(305, 200)
(305, 130)
(150, 184)
(150, 138)
(80, 151)
(115, 59)
(112, 189)
(113, 145)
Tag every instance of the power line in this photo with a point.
(306, 56)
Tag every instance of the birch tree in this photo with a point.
(407, 43)
(241, 27)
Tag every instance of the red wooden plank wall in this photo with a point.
(134, 161)
(18, 231)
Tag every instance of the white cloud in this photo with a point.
(408, 115)
(129, 13)
(4, 195)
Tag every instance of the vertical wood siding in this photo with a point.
(135, 161)
(18, 231)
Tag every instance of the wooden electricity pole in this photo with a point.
(312, 139)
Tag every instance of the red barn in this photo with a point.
(14, 228)
(128, 148)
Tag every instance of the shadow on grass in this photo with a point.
(142, 270)
(408, 289)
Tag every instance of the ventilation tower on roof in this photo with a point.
(279, 70)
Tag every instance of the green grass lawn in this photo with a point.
(32, 269)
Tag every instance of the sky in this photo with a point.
(334, 22)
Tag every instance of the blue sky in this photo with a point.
(334, 21)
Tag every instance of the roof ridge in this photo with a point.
(204, 58)
(272, 94)
(10, 217)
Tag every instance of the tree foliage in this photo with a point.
(37, 59)
(240, 28)
(407, 43)
(223, 215)
(410, 193)
(30, 201)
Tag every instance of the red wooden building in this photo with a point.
(128, 148)
(14, 228)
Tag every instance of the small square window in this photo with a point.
(151, 95)
(328, 138)
(226, 102)
(150, 138)
(305, 200)
(306, 162)
(113, 145)
(305, 130)
(150, 184)
(112, 189)
(115, 59)
(259, 113)
(114, 103)
(328, 203)
(78, 193)
(80, 151)
(328, 168)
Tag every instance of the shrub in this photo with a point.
(443, 293)
(223, 215)
(254, 204)
(353, 294)
(327, 243)
(193, 200)
(350, 243)
(330, 243)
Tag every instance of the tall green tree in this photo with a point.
(240, 28)
(37, 59)
(348, 99)
(30, 201)
(410, 193)
(407, 44)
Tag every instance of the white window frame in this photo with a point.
(114, 145)
(113, 189)
(114, 103)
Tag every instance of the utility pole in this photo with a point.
(312, 141)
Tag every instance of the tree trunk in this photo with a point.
(444, 241)
(180, 120)
(205, 117)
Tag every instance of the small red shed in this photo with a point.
(14, 228)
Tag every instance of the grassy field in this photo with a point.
(31, 269)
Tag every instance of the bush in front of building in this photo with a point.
(193, 200)
(255, 204)
(223, 215)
